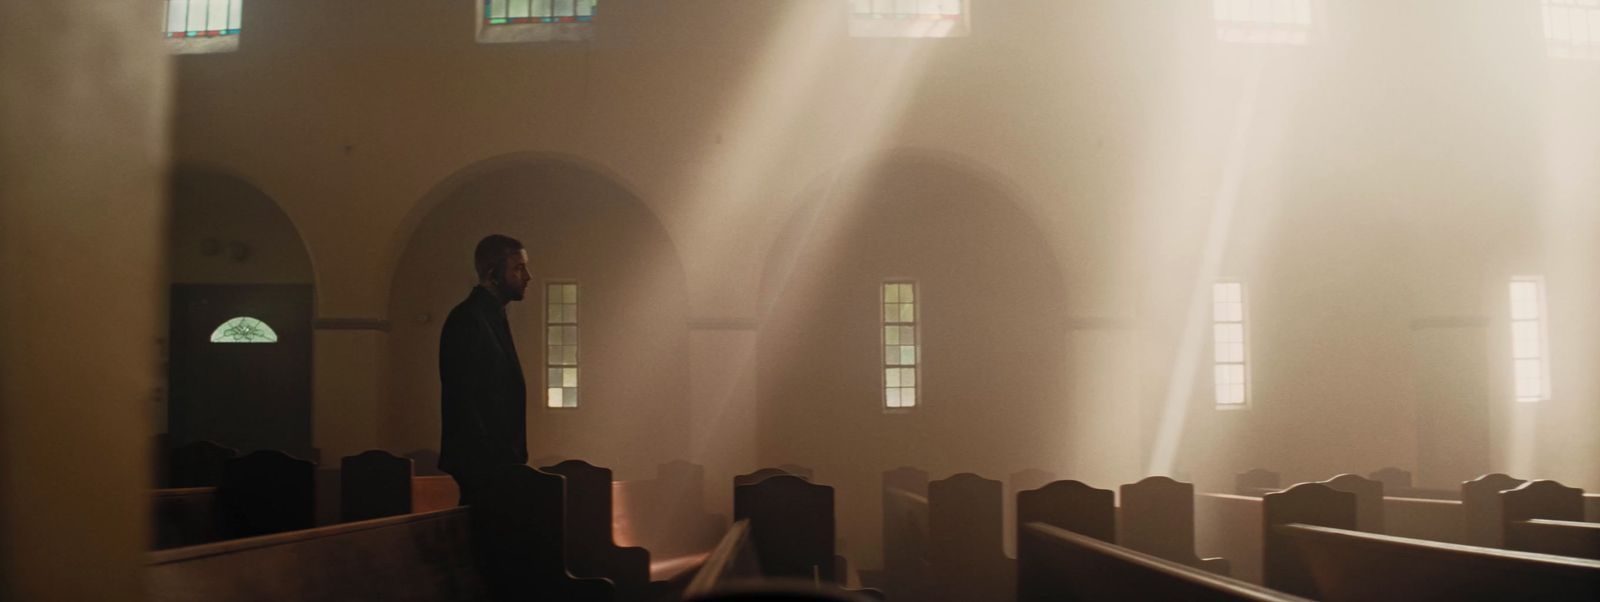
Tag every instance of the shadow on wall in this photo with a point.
(578, 226)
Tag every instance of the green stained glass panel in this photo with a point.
(244, 329)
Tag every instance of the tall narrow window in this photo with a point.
(199, 26)
(561, 344)
(900, 345)
(1265, 21)
(1572, 28)
(908, 18)
(1228, 345)
(1530, 350)
(536, 20)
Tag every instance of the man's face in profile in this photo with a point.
(513, 280)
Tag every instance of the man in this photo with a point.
(482, 394)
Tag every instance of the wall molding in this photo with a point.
(746, 324)
(1450, 322)
(378, 324)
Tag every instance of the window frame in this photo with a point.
(577, 353)
(1311, 32)
(918, 365)
(1541, 320)
(203, 41)
(580, 29)
(1246, 397)
(870, 27)
(1583, 51)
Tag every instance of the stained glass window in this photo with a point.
(900, 347)
(1529, 347)
(908, 18)
(202, 18)
(561, 344)
(1265, 21)
(508, 12)
(1228, 344)
(244, 329)
(1572, 28)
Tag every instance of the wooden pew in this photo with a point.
(667, 516)
(591, 549)
(1591, 507)
(430, 492)
(1229, 526)
(1397, 483)
(185, 517)
(403, 558)
(1348, 565)
(1255, 482)
(791, 526)
(1303, 504)
(266, 492)
(763, 474)
(965, 553)
(374, 484)
(906, 573)
(519, 535)
(1157, 518)
(1369, 500)
(1055, 564)
(732, 561)
(1547, 518)
(1424, 518)
(198, 464)
(1017, 482)
(1480, 509)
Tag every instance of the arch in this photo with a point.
(226, 229)
(579, 226)
(449, 185)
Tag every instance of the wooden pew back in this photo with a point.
(1309, 504)
(791, 524)
(374, 484)
(267, 492)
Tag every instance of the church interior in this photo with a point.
(967, 274)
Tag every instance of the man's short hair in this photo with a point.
(492, 252)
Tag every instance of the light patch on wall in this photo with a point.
(561, 345)
(244, 329)
(536, 20)
(1530, 348)
(1572, 28)
(1287, 22)
(908, 18)
(202, 26)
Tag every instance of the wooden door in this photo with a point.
(240, 366)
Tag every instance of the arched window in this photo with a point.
(244, 329)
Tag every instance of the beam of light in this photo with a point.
(806, 91)
(1569, 231)
(1180, 384)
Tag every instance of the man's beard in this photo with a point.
(510, 291)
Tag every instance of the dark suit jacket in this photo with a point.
(483, 395)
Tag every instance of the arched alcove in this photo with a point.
(232, 252)
(991, 323)
(578, 226)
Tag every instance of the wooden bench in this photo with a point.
(412, 557)
(1348, 565)
(906, 572)
(1546, 517)
(966, 557)
(591, 548)
(1157, 518)
(1056, 564)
